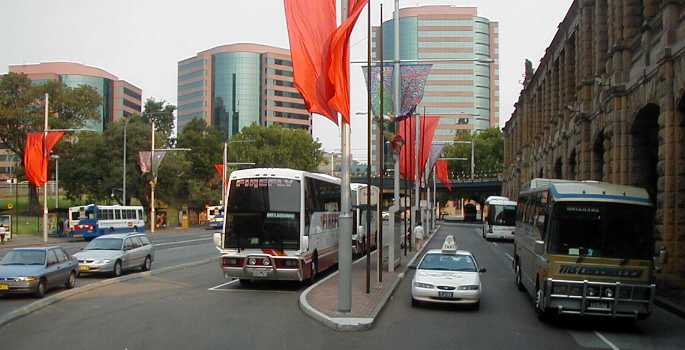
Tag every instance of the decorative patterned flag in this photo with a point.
(436, 150)
(441, 171)
(413, 81)
(407, 131)
(144, 161)
(36, 152)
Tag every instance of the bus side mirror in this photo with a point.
(217, 239)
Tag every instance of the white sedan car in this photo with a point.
(448, 276)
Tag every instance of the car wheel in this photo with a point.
(71, 280)
(116, 271)
(517, 277)
(40, 289)
(135, 228)
(147, 264)
(414, 302)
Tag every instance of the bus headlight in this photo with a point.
(252, 261)
(608, 292)
(266, 262)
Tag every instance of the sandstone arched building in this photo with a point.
(607, 102)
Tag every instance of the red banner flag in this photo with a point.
(442, 173)
(339, 72)
(219, 169)
(407, 130)
(36, 153)
(310, 27)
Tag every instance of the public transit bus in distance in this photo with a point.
(75, 214)
(215, 216)
(103, 219)
(280, 224)
(585, 248)
(358, 200)
(499, 218)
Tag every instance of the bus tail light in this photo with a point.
(85, 227)
(287, 263)
(232, 262)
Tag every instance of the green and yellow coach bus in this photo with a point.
(585, 248)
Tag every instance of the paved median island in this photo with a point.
(320, 301)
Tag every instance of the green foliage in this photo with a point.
(277, 147)
(206, 144)
(22, 111)
(163, 116)
(489, 153)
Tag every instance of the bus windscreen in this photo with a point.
(609, 230)
(263, 213)
(502, 215)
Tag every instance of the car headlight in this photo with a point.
(423, 285)
(27, 279)
(469, 287)
(106, 261)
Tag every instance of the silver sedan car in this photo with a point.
(36, 270)
(116, 253)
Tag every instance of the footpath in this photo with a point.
(320, 300)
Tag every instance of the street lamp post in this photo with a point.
(123, 184)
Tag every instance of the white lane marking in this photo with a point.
(509, 256)
(240, 290)
(606, 341)
(223, 285)
(181, 242)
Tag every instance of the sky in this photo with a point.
(141, 41)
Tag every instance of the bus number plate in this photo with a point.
(599, 305)
(258, 272)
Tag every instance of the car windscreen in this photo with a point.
(105, 244)
(502, 215)
(263, 213)
(448, 262)
(24, 257)
(610, 230)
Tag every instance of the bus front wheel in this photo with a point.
(314, 270)
(517, 276)
(542, 311)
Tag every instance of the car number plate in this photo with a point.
(259, 272)
(83, 268)
(4, 287)
(446, 294)
(599, 305)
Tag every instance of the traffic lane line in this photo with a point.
(606, 341)
(181, 242)
(223, 284)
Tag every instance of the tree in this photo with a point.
(202, 185)
(22, 111)
(163, 115)
(489, 153)
(277, 147)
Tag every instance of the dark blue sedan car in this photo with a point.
(36, 270)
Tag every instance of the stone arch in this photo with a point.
(644, 135)
(598, 157)
(572, 165)
(558, 173)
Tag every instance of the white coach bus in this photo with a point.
(280, 224)
(499, 218)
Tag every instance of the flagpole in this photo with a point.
(345, 221)
(368, 153)
(153, 220)
(381, 161)
(396, 103)
(45, 186)
(223, 177)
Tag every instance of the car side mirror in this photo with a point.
(483, 270)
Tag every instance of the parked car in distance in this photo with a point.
(37, 270)
(116, 253)
(448, 276)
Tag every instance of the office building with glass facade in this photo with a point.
(463, 86)
(234, 86)
(119, 97)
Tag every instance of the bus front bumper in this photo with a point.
(598, 298)
(263, 273)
